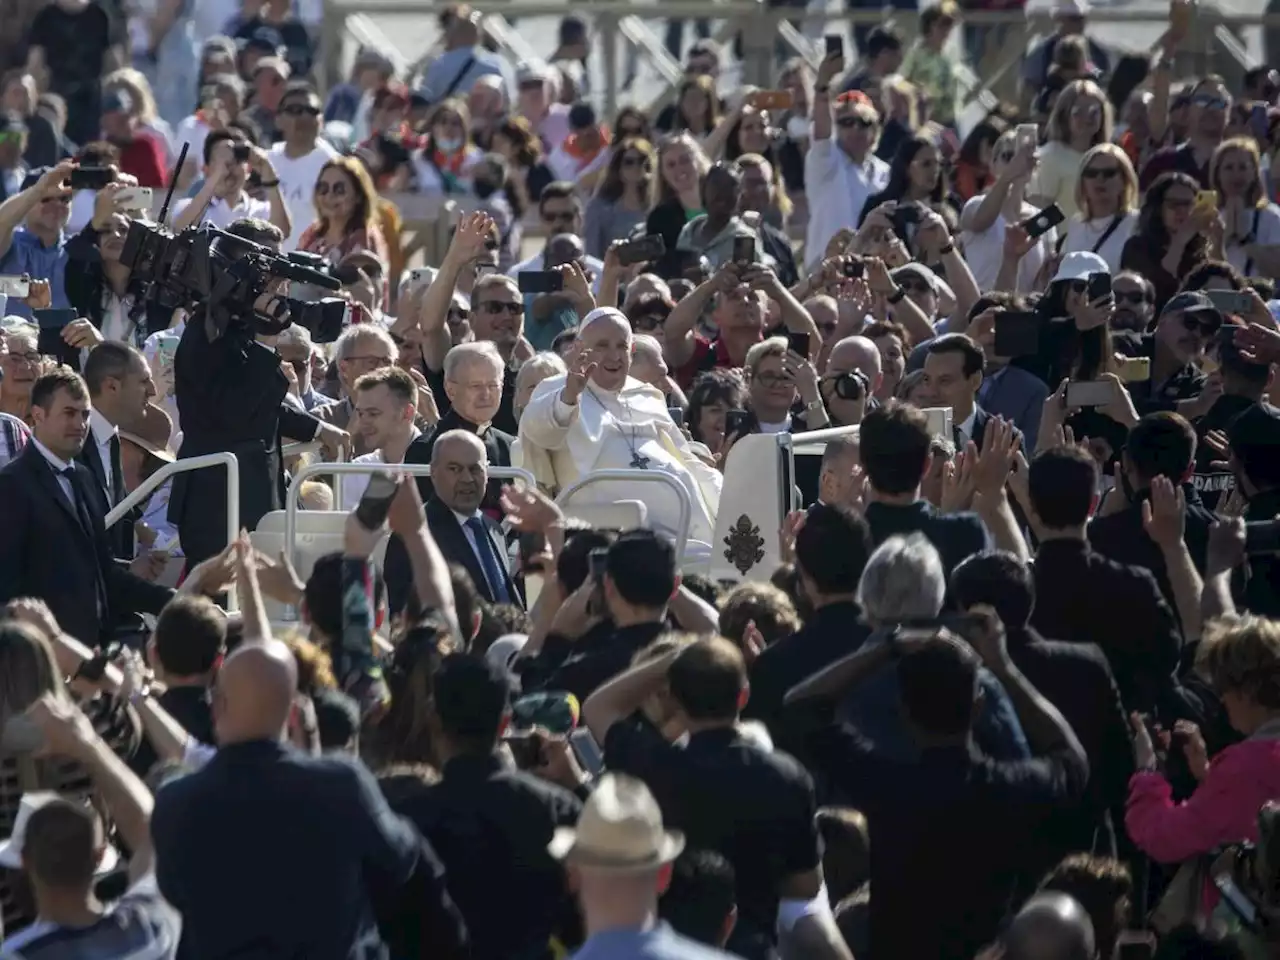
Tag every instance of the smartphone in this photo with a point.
(1098, 287)
(940, 422)
(1089, 393)
(1044, 221)
(1017, 334)
(421, 275)
(17, 288)
(1206, 200)
(94, 668)
(21, 735)
(1261, 537)
(736, 422)
(532, 543)
(1135, 945)
(1028, 136)
(642, 250)
(598, 563)
(587, 751)
(54, 318)
(525, 749)
(540, 281)
(798, 343)
(134, 198)
(676, 415)
(1134, 369)
(1180, 16)
(835, 46)
(744, 250)
(241, 152)
(907, 213)
(1231, 301)
(1241, 905)
(90, 178)
(855, 268)
(771, 100)
(375, 504)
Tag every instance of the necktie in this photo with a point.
(488, 562)
(117, 471)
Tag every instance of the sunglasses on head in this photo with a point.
(1100, 173)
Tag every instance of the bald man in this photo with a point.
(598, 416)
(460, 471)
(1050, 926)
(250, 855)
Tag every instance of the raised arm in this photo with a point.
(623, 695)
(14, 210)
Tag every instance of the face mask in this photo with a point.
(798, 127)
(448, 144)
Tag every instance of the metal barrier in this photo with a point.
(642, 476)
(345, 469)
(170, 470)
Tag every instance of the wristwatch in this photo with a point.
(947, 250)
(899, 294)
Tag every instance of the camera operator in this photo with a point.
(32, 237)
(228, 161)
(230, 391)
(98, 284)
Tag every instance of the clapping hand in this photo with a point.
(1000, 445)
(959, 480)
(1164, 514)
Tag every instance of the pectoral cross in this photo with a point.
(639, 462)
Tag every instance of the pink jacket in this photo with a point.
(1224, 808)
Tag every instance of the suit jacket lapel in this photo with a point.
(90, 458)
(42, 470)
(979, 427)
(454, 543)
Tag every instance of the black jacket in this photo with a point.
(230, 395)
(46, 552)
(1083, 597)
(453, 543)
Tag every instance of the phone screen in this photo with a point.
(835, 45)
(735, 422)
(744, 250)
(54, 318)
(1044, 221)
(798, 343)
(642, 250)
(540, 281)
(1099, 287)
(598, 563)
(587, 750)
(1089, 393)
(376, 503)
(1230, 301)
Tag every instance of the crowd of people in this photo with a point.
(1014, 689)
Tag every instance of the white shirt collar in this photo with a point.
(102, 428)
(58, 465)
(463, 518)
(966, 427)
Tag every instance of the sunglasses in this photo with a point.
(498, 307)
(771, 380)
(915, 286)
(635, 161)
(300, 110)
(1130, 296)
(1210, 102)
(338, 189)
(1100, 173)
(848, 123)
(1206, 328)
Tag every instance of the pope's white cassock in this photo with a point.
(615, 430)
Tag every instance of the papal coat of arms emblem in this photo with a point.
(746, 546)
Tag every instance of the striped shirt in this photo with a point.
(13, 437)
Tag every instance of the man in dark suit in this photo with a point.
(1160, 445)
(465, 535)
(1083, 597)
(473, 379)
(230, 392)
(52, 541)
(1074, 677)
(120, 386)
(953, 366)
(894, 444)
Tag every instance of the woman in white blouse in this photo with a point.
(1251, 222)
(1107, 195)
(985, 218)
(1081, 119)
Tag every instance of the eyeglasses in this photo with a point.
(1100, 173)
(559, 216)
(1209, 102)
(376, 361)
(1130, 296)
(324, 188)
(458, 316)
(1206, 328)
(771, 380)
(848, 123)
(300, 110)
(649, 321)
(31, 358)
(496, 308)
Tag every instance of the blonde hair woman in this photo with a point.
(1107, 197)
(1081, 119)
(677, 189)
(1251, 221)
(144, 105)
(985, 217)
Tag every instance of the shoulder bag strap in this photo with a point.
(1112, 227)
(457, 78)
(1253, 231)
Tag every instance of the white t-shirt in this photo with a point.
(1056, 175)
(1083, 235)
(194, 131)
(353, 485)
(1265, 226)
(984, 252)
(837, 189)
(298, 185)
(221, 215)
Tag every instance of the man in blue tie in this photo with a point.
(459, 472)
